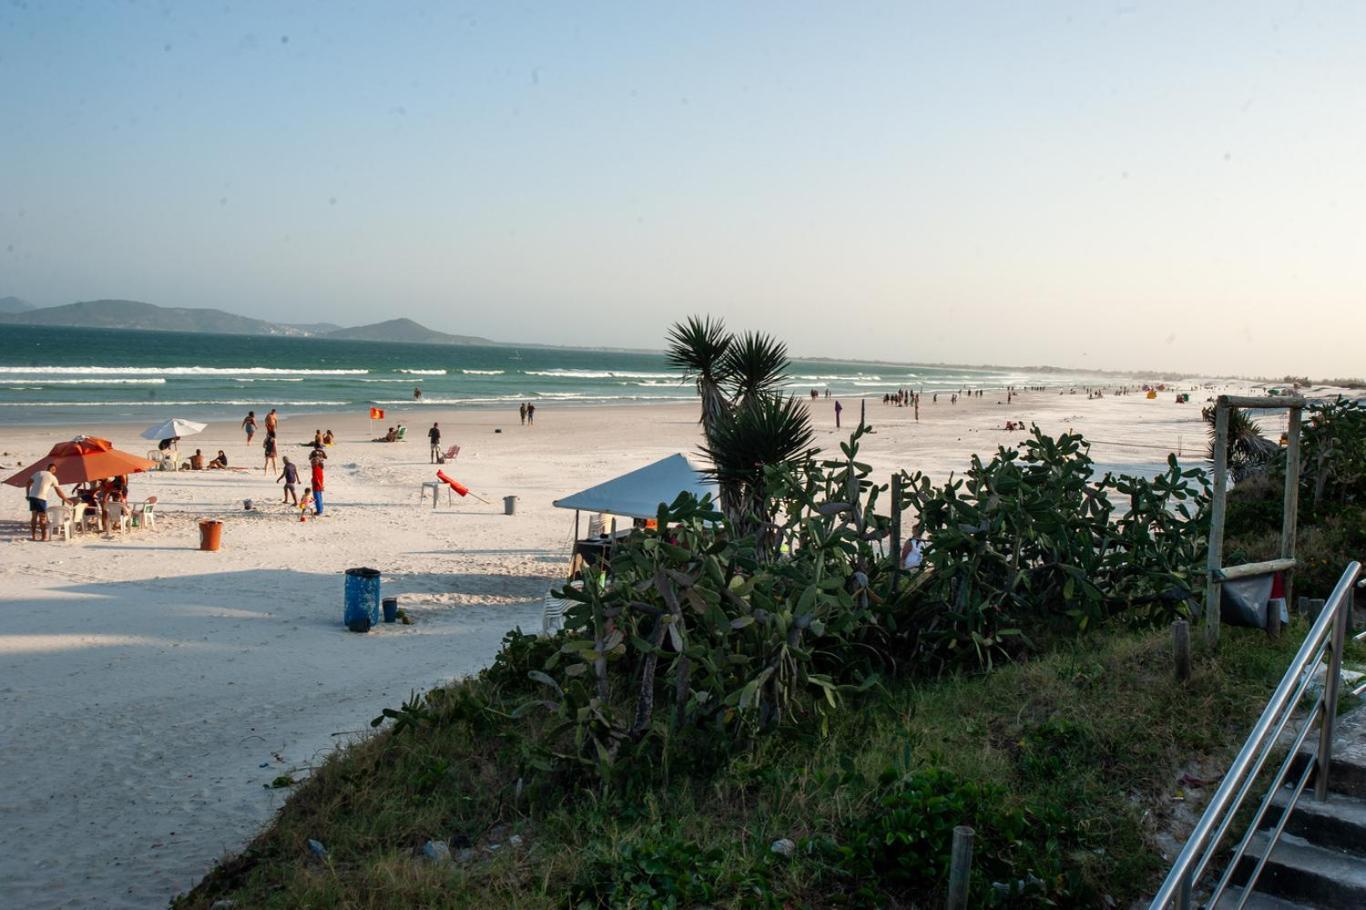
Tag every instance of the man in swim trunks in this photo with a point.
(41, 487)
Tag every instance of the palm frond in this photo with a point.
(698, 346)
(755, 363)
(767, 430)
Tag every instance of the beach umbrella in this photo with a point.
(84, 458)
(173, 426)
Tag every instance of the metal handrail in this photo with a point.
(1329, 633)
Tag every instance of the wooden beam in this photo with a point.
(1213, 589)
(1251, 569)
(1292, 499)
(1271, 401)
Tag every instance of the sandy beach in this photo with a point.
(150, 693)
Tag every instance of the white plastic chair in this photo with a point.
(435, 486)
(146, 515)
(78, 517)
(552, 616)
(118, 513)
(59, 521)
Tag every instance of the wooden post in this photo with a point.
(1181, 649)
(862, 411)
(896, 529)
(1292, 504)
(960, 868)
(1213, 588)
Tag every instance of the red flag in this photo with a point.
(456, 485)
(377, 413)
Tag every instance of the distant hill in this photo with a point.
(313, 328)
(134, 314)
(148, 317)
(403, 330)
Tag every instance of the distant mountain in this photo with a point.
(133, 314)
(148, 317)
(403, 330)
(313, 328)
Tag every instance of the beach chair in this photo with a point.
(118, 514)
(402, 431)
(145, 515)
(82, 516)
(595, 526)
(552, 616)
(59, 521)
(448, 455)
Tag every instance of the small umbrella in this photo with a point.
(173, 426)
(84, 458)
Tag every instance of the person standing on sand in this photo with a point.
(522, 410)
(249, 425)
(530, 413)
(434, 436)
(271, 450)
(838, 408)
(41, 486)
(317, 486)
(290, 475)
(272, 422)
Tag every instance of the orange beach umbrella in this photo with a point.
(84, 458)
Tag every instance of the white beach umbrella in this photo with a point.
(173, 426)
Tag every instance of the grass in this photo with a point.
(1081, 751)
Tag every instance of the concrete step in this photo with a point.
(1300, 871)
(1338, 823)
(1258, 901)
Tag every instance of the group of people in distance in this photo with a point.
(288, 474)
(108, 498)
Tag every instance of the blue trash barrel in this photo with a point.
(362, 599)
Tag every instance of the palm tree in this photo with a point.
(699, 348)
(766, 431)
(1249, 452)
(756, 364)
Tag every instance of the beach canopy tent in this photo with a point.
(173, 427)
(639, 493)
(84, 458)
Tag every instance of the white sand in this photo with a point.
(144, 684)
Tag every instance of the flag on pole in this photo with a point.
(377, 413)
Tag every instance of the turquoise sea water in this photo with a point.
(63, 375)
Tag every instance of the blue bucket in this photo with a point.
(362, 599)
(391, 609)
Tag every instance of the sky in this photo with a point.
(1097, 185)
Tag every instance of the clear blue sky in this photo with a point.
(1086, 184)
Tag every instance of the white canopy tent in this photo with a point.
(639, 493)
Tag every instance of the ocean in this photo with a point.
(66, 375)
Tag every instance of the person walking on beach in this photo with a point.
(272, 422)
(434, 436)
(41, 487)
(249, 425)
(530, 413)
(838, 408)
(272, 450)
(522, 410)
(317, 486)
(290, 475)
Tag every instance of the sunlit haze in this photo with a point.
(1121, 185)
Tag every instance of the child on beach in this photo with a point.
(290, 475)
(304, 503)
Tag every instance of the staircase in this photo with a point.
(1320, 861)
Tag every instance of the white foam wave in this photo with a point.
(601, 374)
(483, 372)
(423, 372)
(111, 381)
(174, 371)
(283, 379)
(158, 403)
